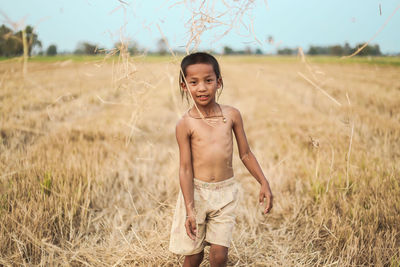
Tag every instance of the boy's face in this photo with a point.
(202, 83)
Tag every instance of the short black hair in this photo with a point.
(198, 58)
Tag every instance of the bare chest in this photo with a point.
(215, 132)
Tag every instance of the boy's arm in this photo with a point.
(250, 161)
(186, 176)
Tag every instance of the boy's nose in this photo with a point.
(202, 87)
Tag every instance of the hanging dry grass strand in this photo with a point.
(375, 35)
(221, 16)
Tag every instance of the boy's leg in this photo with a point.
(218, 255)
(193, 260)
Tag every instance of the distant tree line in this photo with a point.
(227, 50)
(11, 43)
(336, 50)
(86, 48)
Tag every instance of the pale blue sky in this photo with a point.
(292, 23)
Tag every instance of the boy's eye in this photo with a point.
(209, 80)
(192, 82)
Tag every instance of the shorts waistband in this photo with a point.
(198, 184)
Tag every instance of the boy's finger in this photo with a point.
(194, 228)
(267, 210)
(268, 206)
(189, 233)
(261, 198)
(189, 230)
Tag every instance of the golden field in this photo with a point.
(89, 162)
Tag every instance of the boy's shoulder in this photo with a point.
(230, 111)
(227, 108)
(182, 122)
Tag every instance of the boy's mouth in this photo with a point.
(203, 97)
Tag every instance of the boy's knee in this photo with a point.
(198, 257)
(219, 256)
(193, 260)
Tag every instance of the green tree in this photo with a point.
(312, 51)
(32, 39)
(11, 43)
(51, 50)
(248, 50)
(336, 50)
(346, 49)
(318, 50)
(369, 50)
(86, 48)
(259, 51)
(162, 47)
(8, 42)
(228, 50)
(286, 51)
(133, 47)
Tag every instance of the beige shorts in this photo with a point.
(215, 205)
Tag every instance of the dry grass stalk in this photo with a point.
(319, 88)
(216, 16)
(375, 35)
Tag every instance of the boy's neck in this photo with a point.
(210, 109)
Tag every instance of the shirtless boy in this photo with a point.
(205, 210)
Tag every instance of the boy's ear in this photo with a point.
(219, 82)
(183, 86)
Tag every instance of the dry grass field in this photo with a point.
(89, 162)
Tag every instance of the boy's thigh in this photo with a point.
(220, 224)
(180, 242)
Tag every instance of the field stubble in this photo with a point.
(89, 163)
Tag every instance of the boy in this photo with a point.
(205, 210)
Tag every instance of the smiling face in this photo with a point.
(202, 82)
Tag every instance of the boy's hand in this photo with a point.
(191, 228)
(265, 192)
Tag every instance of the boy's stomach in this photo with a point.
(213, 165)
